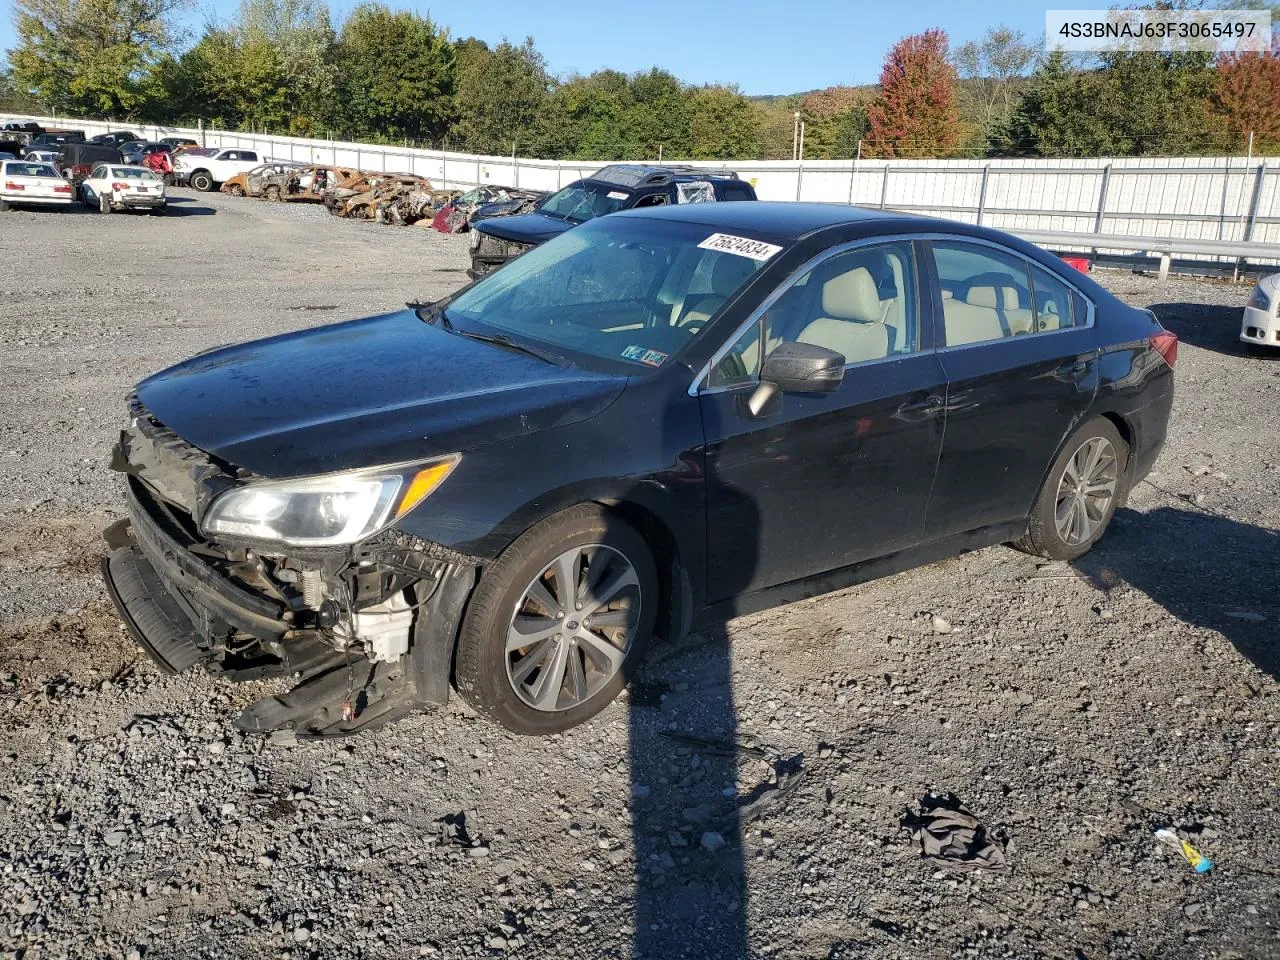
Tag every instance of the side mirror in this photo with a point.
(803, 368)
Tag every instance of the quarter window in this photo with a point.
(1052, 299)
(861, 303)
(986, 294)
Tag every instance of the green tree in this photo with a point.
(991, 71)
(1131, 104)
(91, 57)
(588, 118)
(835, 119)
(301, 38)
(231, 80)
(398, 73)
(502, 95)
(723, 126)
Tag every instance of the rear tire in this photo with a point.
(586, 666)
(1080, 495)
(202, 181)
(4, 206)
(236, 190)
(104, 203)
(273, 194)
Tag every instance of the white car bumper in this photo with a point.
(27, 199)
(1260, 326)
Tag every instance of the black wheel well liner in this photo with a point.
(675, 593)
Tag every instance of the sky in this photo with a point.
(763, 47)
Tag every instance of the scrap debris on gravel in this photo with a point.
(745, 798)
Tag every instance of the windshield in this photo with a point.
(132, 173)
(631, 291)
(583, 201)
(30, 170)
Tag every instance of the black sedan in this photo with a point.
(660, 418)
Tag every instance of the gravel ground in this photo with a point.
(1074, 709)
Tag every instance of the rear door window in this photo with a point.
(734, 191)
(248, 155)
(986, 292)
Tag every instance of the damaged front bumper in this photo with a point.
(385, 650)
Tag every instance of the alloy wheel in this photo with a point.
(573, 627)
(1086, 490)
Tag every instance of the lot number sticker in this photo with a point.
(742, 246)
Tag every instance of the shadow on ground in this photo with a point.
(1210, 327)
(1206, 570)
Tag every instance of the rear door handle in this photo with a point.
(929, 405)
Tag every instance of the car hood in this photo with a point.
(380, 390)
(527, 228)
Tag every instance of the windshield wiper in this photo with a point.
(502, 340)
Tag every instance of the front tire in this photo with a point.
(559, 624)
(104, 203)
(1080, 495)
(202, 181)
(236, 190)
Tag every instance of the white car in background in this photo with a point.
(112, 186)
(41, 156)
(1259, 324)
(207, 173)
(24, 182)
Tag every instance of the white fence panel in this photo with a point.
(1231, 198)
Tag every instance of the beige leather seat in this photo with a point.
(853, 318)
(986, 313)
(727, 275)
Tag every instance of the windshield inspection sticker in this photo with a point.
(617, 195)
(653, 358)
(742, 246)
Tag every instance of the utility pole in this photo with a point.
(795, 136)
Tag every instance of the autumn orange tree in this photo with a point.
(1246, 96)
(915, 114)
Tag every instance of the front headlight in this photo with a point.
(475, 238)
(336, 509)
(1259, 300)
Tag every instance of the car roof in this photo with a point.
(781, 219)
(637, 175)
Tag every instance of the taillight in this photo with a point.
(61, 189)
(1166, 344)
(10, 185)
(119, 186)
(1079, 263)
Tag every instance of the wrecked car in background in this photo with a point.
(250, 183)
(306, 183)
(78, 159)
(398, 198)
(620, 186)
(484, 202)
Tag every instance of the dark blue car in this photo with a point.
(622, 186)
(657, 419)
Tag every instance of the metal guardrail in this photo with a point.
(1164, 247)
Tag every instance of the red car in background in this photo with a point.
(161, 164)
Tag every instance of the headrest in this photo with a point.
(993, 298)
(729, 272)
(852, 296)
